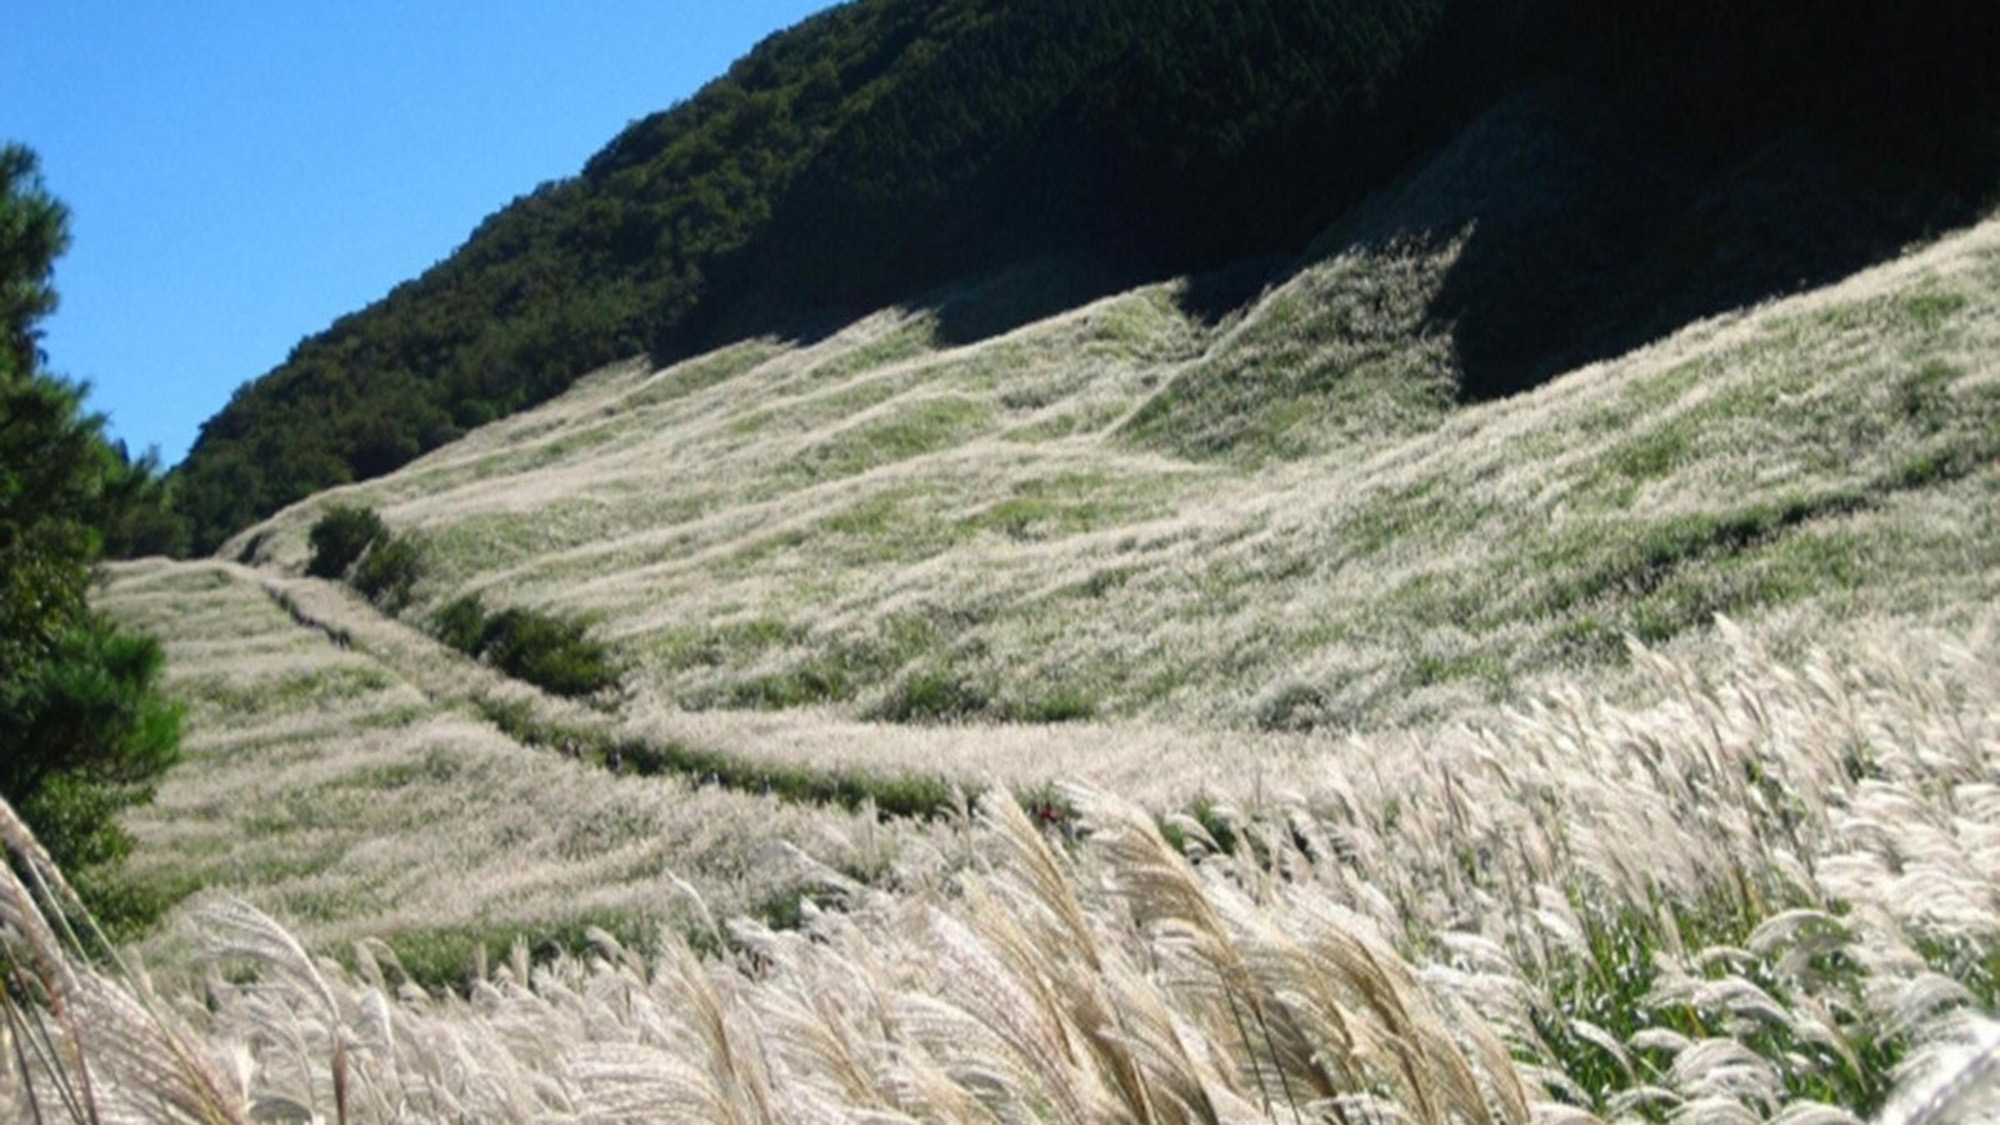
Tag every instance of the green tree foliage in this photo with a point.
(353, 543)
(461, 623)
(34, 232)
(340, 537)
(387, 575)
(885, 146)
(88, 733)
(136, 514)
(84, 730)
(551, 651)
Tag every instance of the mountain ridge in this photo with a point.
(885, 148)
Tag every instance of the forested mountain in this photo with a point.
(1701, 154)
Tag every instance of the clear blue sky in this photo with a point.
(241, 172)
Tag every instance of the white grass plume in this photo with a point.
(1956, 1081)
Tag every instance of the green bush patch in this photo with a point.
(340, 537)
(554, 652)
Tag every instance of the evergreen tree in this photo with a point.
(84, 730)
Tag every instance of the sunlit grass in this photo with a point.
(1442, 792)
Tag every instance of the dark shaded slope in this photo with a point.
(1586, 234)
(1150, 135)
(1651, 166)
(1696, 157)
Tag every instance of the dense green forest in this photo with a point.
(886, 147)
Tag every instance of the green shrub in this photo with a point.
(389, 571)
(1059, 705)
(340, 537)
(1294, 706)
(461, 623)
(932, 695)
(553, 652)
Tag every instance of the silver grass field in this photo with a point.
(1627, 750)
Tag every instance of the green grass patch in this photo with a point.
(293, 691)
(1439, 599)
(912, 431)
(1342, 353)
(1593, 561)
(818, 678)
(1057, 704)
(728, 643)
(820, 670)
(904, 796)
(565, 448)
(1143, 326)
(884, 527)
(1392, 516)
(1612, 989)
(1650, 456)
(1930, 309)
(1655, 393)
(872, 516)
(1069, 504)
(684, 379)
(127, 906)
(1924, 399)
(933, 694)
(1430, 668)
(806, 414)
(435, 767)
(906, 342)
(444, 959)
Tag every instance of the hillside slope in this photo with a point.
(1621, 167)
(1024, 528)
(340, 770)
(1742, 874)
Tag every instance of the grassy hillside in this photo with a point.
(1621, 168)
(1279, 520)
(343, 770)
(1404, 826)
(1765, 896)
(1526, 658)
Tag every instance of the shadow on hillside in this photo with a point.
(1589, 237)
(1046, 287)
(985, 307)
(1582, 236)
(1216, 295)
(1036, 290)
(1802, 213)
(1015, 297)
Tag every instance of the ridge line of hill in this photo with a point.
(1625, 168)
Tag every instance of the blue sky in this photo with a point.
(241, 172)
